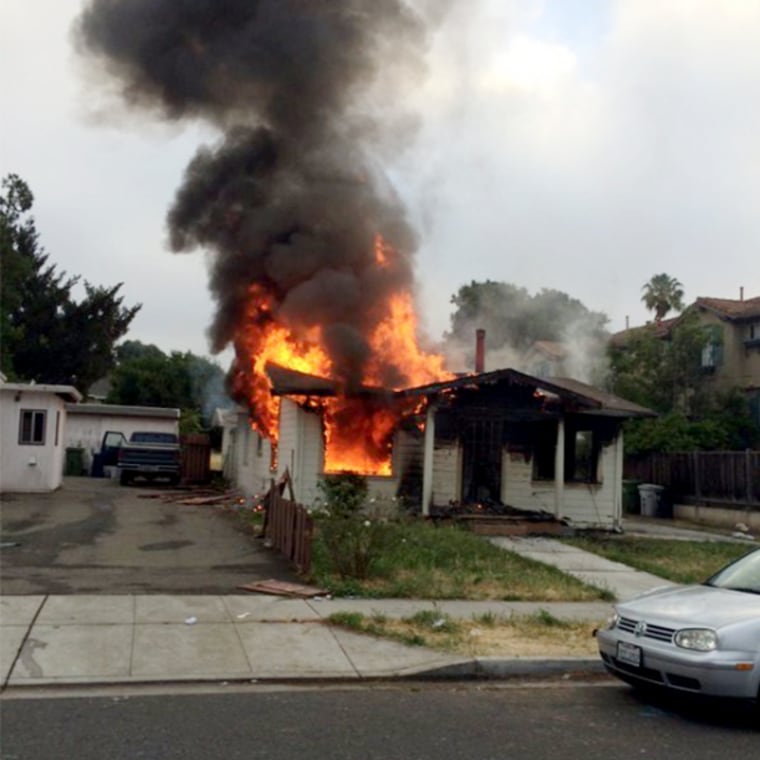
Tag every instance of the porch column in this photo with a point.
(559, 469)
(619, 465)
(427, 460)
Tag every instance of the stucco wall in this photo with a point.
(31, 468)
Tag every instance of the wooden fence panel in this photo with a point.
(290, 528)
(702, 476)
(196, 458)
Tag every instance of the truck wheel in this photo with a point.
(174, 480)
(125, 478)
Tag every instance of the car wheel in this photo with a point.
(174, 480)
(125, 478)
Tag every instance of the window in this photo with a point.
(32, 427)
(712, 353)
(581, 458)
(582, 450)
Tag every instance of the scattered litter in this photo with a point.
(476, 632)
(438, 623)
(745, 536)
(283, 588)
(192, 620)
(254, 680)
(243, 615)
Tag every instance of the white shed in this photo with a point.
(33, 435)
(87, 423)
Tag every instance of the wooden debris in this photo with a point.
(283, 588)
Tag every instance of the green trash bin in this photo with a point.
(74, 462)
(631, 497)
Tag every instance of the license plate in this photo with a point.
(629, 654)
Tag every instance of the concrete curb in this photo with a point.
(477, 669)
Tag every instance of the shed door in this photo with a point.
(482, 444)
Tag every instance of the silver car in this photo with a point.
(697, 639)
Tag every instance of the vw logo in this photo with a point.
(640, 629)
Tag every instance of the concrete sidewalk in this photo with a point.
(621, 580)
(65, 640)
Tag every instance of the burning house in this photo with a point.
(311, 252)
(491, 442)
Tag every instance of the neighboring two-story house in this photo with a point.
(731, 356)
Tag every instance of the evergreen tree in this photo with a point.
(47, 336)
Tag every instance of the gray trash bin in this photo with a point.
(650, 495)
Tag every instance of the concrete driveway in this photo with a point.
(94, 536)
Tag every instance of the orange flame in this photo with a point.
(358, 430)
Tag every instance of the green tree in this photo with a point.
(513, 317)
(48, 336)
(146, 376)
(662, 294)
(662, 372)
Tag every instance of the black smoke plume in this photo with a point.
(290, 199)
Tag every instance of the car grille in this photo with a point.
(656, 632)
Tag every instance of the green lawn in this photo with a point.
(421, 560)
(678, 561)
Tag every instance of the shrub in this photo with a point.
(353, 535)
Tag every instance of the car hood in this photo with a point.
(695, 605)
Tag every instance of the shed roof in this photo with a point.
(66, 392)
(123, 410)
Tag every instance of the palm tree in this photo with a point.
(661, 294)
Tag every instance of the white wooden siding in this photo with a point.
(584, 504)
(447, 473)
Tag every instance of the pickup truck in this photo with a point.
(146, 454)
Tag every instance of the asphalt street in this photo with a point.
(418, 721)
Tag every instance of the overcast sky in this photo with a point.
(581, 145)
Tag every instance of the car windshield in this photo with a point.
(742, 575)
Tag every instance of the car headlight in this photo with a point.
(612, 621)
(701, 639)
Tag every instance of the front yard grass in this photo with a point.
(674, 560)
(537, 635)
(424, 561)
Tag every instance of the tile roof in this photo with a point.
(730, 308)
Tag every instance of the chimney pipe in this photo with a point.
(741, 293)
(480, 350)
(627, 322)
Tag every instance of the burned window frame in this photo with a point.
(599, 432)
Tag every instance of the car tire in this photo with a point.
(174, 480)
(125, 478)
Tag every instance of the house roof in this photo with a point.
(661, 329)
(66, 392)
(289, 382)
(551, 348)
(734, 310)
(611, 404)
(731, 309)
(122, 410)
(286, 382)
(590, 399)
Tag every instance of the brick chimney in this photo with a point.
(480, 350)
